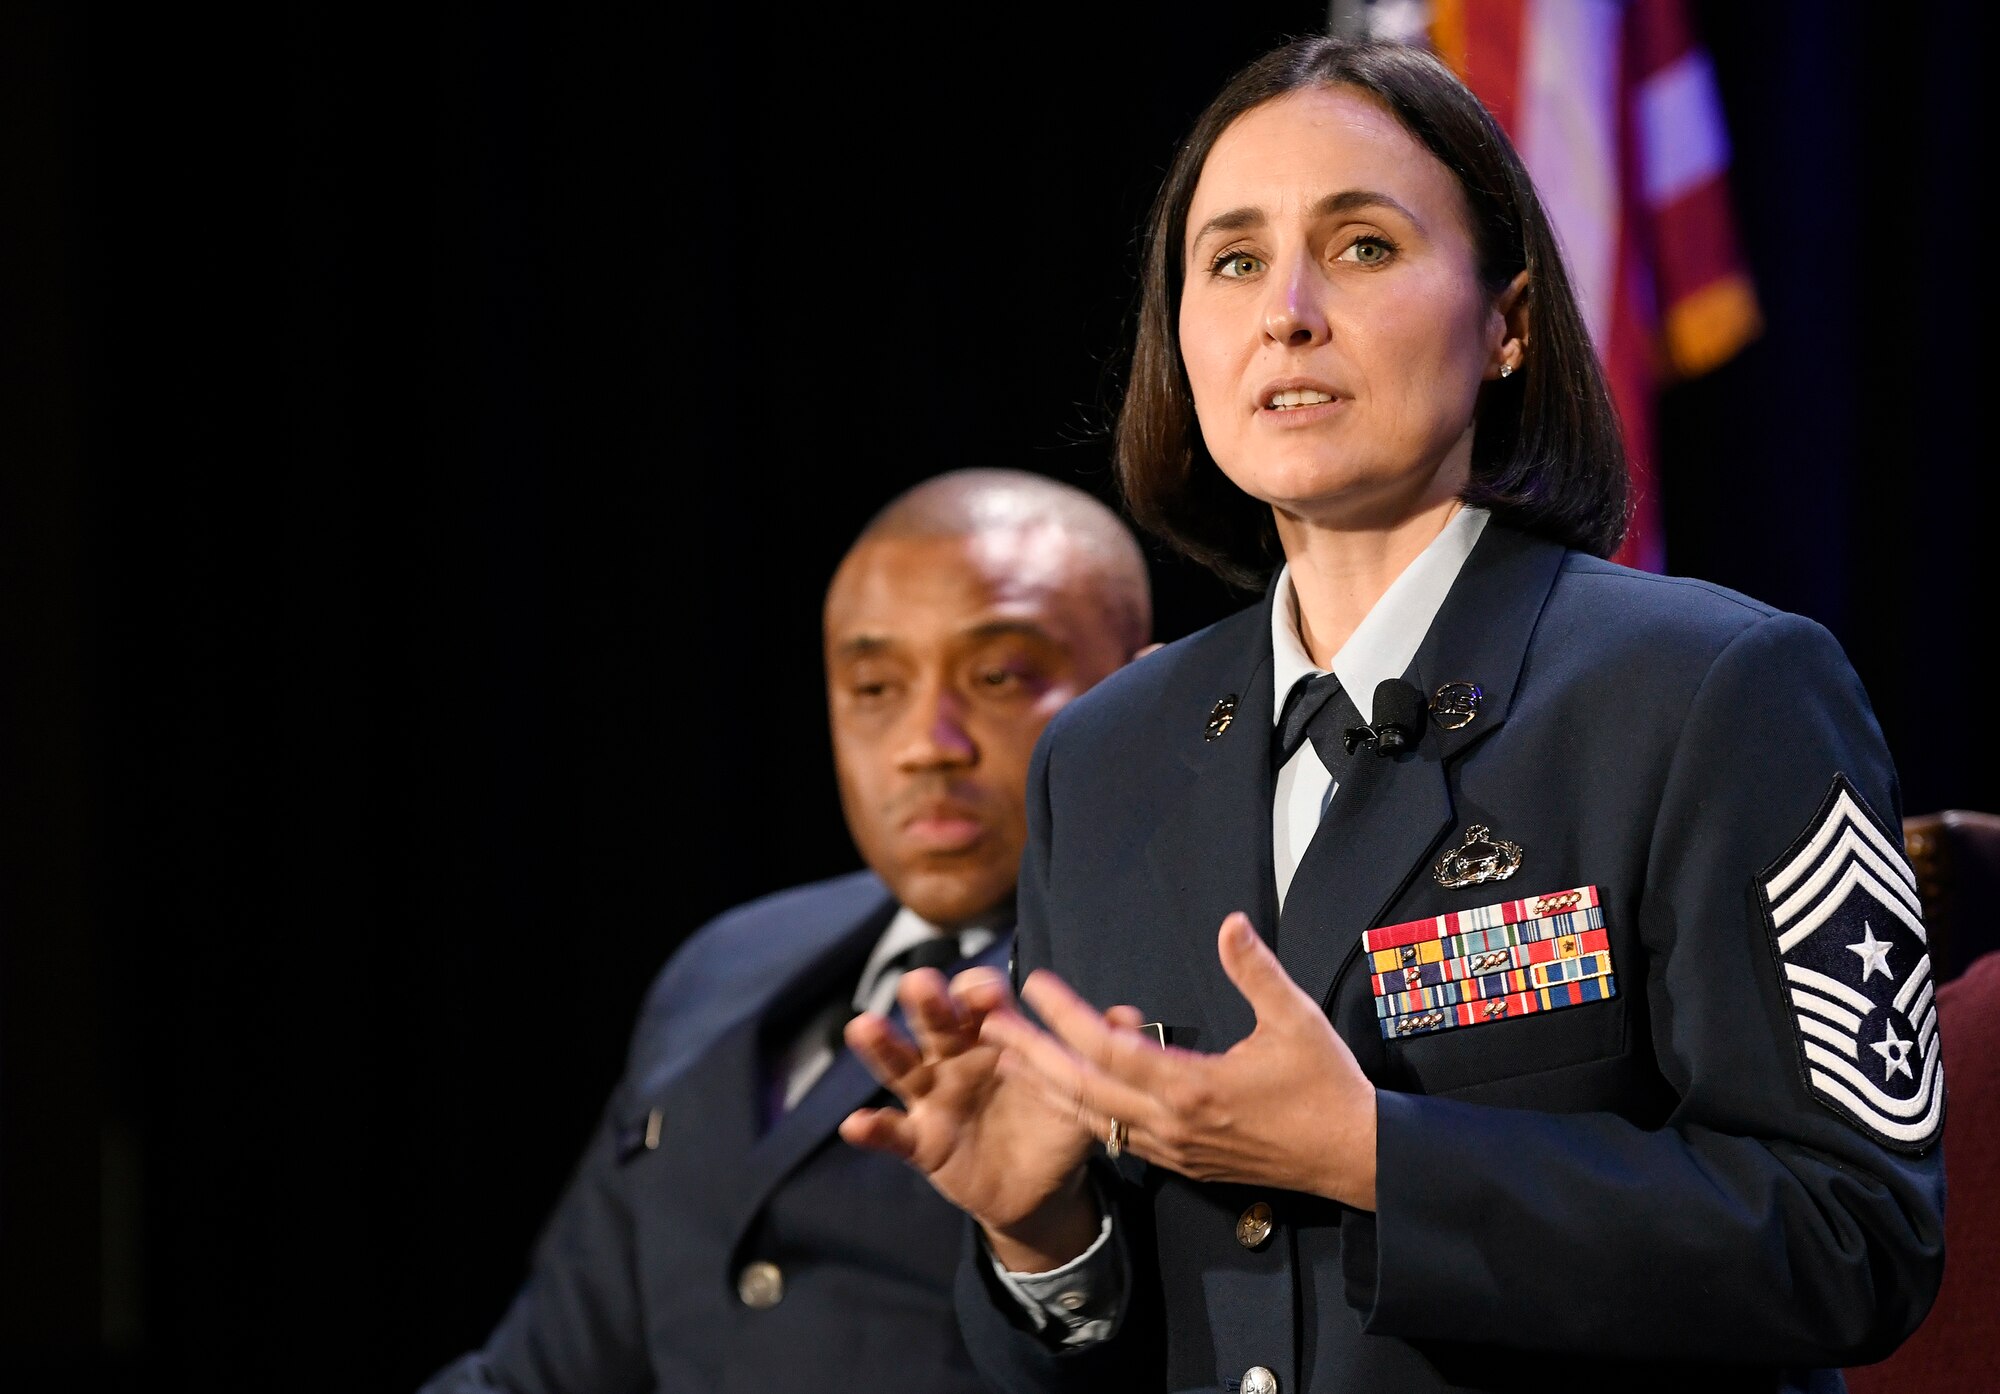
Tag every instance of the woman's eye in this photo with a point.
(1369, 251)
(998, 677)
(1237, 265)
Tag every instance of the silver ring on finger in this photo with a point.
(1114, 1140)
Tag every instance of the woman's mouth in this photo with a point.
(1293, 398)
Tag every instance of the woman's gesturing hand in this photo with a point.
(1286, 1106)
(993, 1147)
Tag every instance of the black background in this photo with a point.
(427, 436)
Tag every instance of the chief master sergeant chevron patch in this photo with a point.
(1848, 931)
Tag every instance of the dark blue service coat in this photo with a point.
(635, 1281)
(1662, 1188)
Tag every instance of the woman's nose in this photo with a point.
(1293, 315)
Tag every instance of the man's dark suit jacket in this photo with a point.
(634, 1284)
(1644, 1191)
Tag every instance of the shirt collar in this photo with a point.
(1382, 646)
(907, 928)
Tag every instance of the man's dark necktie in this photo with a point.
(939, 951)
(1316, 709)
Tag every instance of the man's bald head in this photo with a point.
(968, 612)
(966, 502)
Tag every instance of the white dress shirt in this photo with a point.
(1380, 648)
(1077, 1301)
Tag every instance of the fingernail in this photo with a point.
(1243, 933)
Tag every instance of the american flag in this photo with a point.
(1613, 106)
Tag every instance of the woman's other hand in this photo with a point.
(990, 1145)
(1286, 1106)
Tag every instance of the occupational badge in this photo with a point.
(1499, 961)
(1481, 857)
(1848, 931)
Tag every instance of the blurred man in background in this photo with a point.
(718, 1233)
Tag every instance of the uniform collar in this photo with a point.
(1382, 646)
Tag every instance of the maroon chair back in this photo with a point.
(1956, 854)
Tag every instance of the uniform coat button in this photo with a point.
(1258, 1380)
(1253, 1226)
(761, 1285)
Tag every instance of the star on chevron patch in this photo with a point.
(1848, 932)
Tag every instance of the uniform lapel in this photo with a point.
(717, 1101)
(715, 1111)
(844, 1087)
(1212, 847)
(1384, 818)
(1481, 633)
(1390, 816)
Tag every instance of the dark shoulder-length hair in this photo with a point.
(1546, 455)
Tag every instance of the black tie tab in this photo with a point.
(1307, 699)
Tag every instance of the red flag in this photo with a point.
(1613, 106)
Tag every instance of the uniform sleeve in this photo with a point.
(576, 1322)
(1017, 1353)
(1760, 1224)
(1076, 1302)
(1015, 1349)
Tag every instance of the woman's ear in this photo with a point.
(1513, 305)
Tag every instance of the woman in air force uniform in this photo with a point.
(1518, 978)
